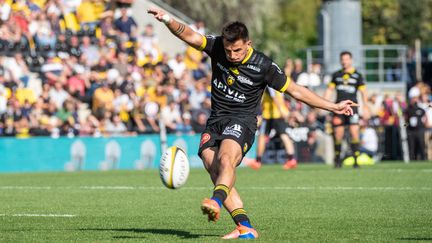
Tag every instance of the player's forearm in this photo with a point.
(327, 94)
(184, 33)
(305, 95)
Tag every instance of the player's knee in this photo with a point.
(226, 161)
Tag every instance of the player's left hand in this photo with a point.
(157, 13)
(345, 107)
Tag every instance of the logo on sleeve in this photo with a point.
(277, 68)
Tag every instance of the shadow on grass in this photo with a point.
(179, 233)
(416, 238)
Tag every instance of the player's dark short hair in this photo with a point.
(345, 53)
(235, 31)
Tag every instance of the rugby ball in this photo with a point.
(174, 167)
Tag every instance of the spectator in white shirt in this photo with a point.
(171, 116)
(58, 95)
(177, 65)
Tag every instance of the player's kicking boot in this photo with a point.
(211, 208)
(242, 232)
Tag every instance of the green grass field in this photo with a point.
(388, 202)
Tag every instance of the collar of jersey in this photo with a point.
(248, 55)
(350, 72)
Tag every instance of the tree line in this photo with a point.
(288, 26)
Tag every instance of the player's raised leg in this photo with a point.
(222, 170)
(233, 203)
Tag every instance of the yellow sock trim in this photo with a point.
(237, 211)
(222, 187)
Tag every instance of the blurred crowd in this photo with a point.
(82, 68)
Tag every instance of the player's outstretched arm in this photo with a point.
(305, 95)
(182, 31)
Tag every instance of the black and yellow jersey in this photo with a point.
(270, 109)
(347, 84)
(237, 88)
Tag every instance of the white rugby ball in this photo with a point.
(174, 167)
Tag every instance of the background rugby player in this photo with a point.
(347, 82)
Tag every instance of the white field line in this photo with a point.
(25, 187)
(275, 188)
(39, 215)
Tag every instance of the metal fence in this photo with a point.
(379, 63)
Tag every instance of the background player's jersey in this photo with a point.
(269, 108)
(237, 88)
(347, 84)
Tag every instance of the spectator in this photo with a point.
(171, 116)
(3, 100)
(368, 139)
(90, 51)
(78, 83)
(192, 60)
(67, 112)
(144, 122)
(18, 69)
(417, 120)
(87, 15)
(5, 10)
(289, 66)
(199, 26)
(45, 36)
(126, 24)
(9, 129)
(58, 95)
(102, 100)
(122, 104)
(310, 79)
(115, 127)
(177, 65)
(148, 44)
(298, 69)
(128, 85)
(185, 128)
(53, 70)
(122, 65)
(89, 126)
(197, 95)
(200, 122)
(74, 48)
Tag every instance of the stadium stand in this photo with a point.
(78, 68)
